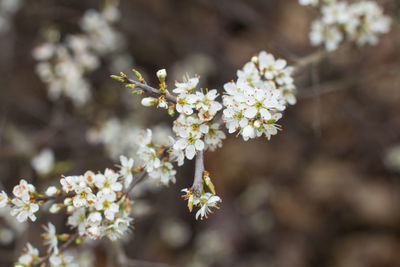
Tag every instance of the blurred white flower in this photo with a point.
(43, 163)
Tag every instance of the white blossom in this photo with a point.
(24, 210)
(31, 254)
(50, 237)
(3, 199)
(23, 190)
(126, 170)
(206, 202)
(51, 191)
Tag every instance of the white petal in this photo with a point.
(250, 112)
(199, 145)
(190, 152)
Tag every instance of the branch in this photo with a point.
(151, 90)
(310, 59)
(198, 174)
(139, 177)
(61, 249)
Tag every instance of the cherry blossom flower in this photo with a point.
(24, 210)
(50, 237)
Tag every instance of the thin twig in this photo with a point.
(138, 178)
(307, 60)
(317, 98)
(151, 90)
(198, 174)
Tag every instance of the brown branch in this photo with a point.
(151, 90)
(308, 60)
(198, 174)
(138, 178)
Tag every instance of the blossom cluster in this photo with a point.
(23, 205)
(359, 22)
(63, 66)
(155, 159)
(30, 257)
(255, 102)
(97, 203)
(194, 127)
(120, 136)
(98, 206)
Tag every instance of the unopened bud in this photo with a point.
(254, 59)
(51, 191)
(171, 110)
(118, 78)
(70, 209)
(190, 203)
(138, 75)
(161, 75)
(148, 101)
(131, 86)
(67, 201)
(208, 182)
(55, 208)
(63, 237)
(257, 124)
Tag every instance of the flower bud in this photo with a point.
(70, 209)
(51, 191)
(67, 201)
(171, 110)
(64, 237)
(148, 101)
(254, 60)
(56, 207)
(161, 75)
(190, 203)
(208, 182)
(257, 124)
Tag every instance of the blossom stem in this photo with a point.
(138, 178)
(303, 62)
(198, 174)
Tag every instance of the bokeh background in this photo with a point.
(325, 192)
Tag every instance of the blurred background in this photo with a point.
(324, 192)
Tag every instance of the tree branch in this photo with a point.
(138, 178)
(307, 60)
(151, 90)
(198, 174)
